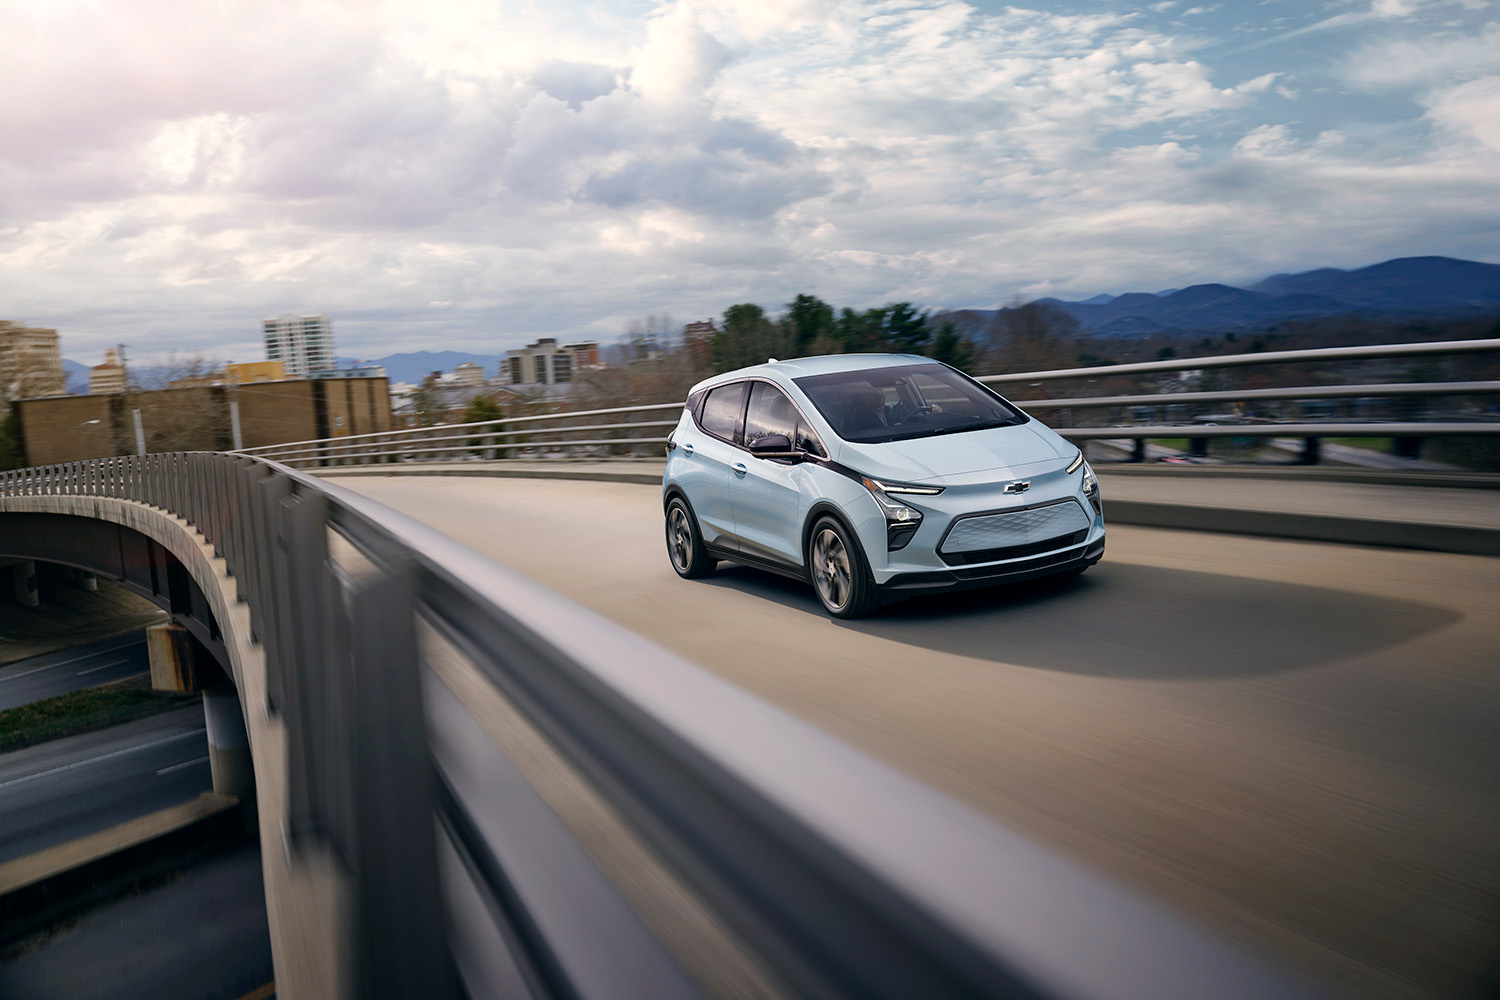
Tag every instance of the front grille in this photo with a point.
(1014, 551)
(1015, 533)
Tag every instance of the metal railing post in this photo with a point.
(400, 945)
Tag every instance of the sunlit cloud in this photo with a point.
(473, 175)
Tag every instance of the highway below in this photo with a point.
(1294, 742)
(101, 662)
(55, 792)
(200, 934)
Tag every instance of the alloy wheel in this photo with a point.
(831, 572)
(680, 534)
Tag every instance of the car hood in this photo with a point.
(997, 451)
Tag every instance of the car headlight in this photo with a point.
(1090, 485)
(901, 519)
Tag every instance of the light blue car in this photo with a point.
(874, 477)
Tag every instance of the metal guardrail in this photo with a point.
(1371, 352)
(843, 877)
(510, 436)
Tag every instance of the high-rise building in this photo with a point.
(303, 344)
(548, 363)
(30, 362)
(108, 377)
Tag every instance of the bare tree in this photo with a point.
(1031, 336)
(182, 404)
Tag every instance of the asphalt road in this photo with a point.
(74, 669)
(54, 792)
(1296, 743)
(203, 934)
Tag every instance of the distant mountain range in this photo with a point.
(1424, 286)
(1408, 286)
(413, 366)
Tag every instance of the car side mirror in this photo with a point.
(775, 446)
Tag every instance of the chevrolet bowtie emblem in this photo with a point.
(1019, 486)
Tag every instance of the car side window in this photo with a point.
(771, 412)
(722, 409)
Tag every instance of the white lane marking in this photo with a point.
(64, 663)
(104, 756)
(179, 767)
(106, 666)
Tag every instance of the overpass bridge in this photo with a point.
(1211, 760)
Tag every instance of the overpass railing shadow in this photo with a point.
(834, 875)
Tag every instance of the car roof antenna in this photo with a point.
(772, 361)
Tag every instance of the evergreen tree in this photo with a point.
(905, 328)
(808, 320)
(951, 349)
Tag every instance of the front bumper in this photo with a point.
(1077, 558)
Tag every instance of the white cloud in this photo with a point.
(1471, 110)
(1425, 60)
(478, 173)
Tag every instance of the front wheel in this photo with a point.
(839, 573)
(685, 542)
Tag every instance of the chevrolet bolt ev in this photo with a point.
(874, 477)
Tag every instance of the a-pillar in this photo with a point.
(23, 573)
(228, 744)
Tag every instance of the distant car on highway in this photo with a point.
(874, 477)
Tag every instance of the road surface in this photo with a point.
(201, 934)
(86, 666)
(1294, 742)
(55, 792)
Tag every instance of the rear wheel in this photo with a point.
(685, 542)
(840, 575)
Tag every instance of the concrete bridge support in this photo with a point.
(176, 666)
(23, 575)
(228, 743)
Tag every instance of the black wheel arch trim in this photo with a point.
(828, 508)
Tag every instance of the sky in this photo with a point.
(467, 175)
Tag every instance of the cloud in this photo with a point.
(1425, 60)
(1471, 111)
(557, 169)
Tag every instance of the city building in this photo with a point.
(109, 377)
(30, 362)
(547, 362)
(469, 373)
(250, 372)
(243, 373)
(303, 344)
(697, 341)
(200, 418)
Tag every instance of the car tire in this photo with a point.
(840, 575)
(685, 547)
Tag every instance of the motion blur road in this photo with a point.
(1295, 742)
(202, 933)
(55, 792)
(102, 662)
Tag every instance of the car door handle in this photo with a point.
(739, 468)
(687, 449)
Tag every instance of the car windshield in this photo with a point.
(911, 401)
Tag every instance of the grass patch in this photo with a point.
(82, 712)
(1382, 445)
